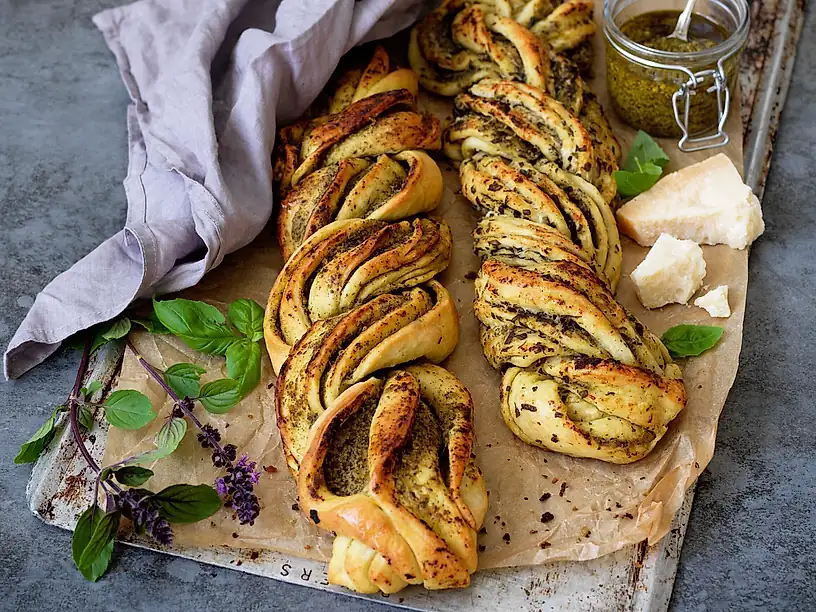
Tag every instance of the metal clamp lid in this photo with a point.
(689, 143)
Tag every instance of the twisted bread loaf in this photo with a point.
(465, 41)
(524, 154)
(345, 264)
(343, 350)
(537, 156)
(364, 436)
(369, 113)
(390, 188)
(371, 472)
(522, 123)
(587, 379)
(382, 450)
(589, 407)
(354, 160)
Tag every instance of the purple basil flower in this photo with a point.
(138, 507)
(224, 457)
(220, 487)
(208, 436)
(237, 490)
(160, 531)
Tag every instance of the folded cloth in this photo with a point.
(209, 80)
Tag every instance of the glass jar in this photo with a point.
(669, 93)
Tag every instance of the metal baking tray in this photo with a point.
(638, 578)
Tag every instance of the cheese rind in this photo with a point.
(671, 272)
(706, 202)
(715, 302)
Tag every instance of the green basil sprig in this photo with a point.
(183, 503)
(31, 450)
(200, 325)
(236, 336)
(95, 532)
(167, 441)
(36, 444)
(204, 328)
(94, 525)
(184, 379)
(132, 475)
(128, 409)
(691, 340)
(642, 168)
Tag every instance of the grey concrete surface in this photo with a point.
(62, 158)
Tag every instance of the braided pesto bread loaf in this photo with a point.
(346, 264)
(464, 41)
(379, 438)
(537, 156)
(359, 155)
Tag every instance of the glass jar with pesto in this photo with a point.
(668, 87)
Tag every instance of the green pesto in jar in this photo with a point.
(643, 96)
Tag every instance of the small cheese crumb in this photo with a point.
(715, 302)
(671, 272)
(706, 202)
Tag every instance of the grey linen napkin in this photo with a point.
(209, 80)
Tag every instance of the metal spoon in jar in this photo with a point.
(683, 22)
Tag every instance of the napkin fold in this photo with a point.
(209, 81)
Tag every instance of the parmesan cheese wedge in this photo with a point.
(715, 302)
(706, 202)
(671, 272)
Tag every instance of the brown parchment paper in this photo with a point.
(597, 508)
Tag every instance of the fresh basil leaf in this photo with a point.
(106, 332)
(128, 409)
(171, 434)
(98, 341)
(691, 340)
(185, 503)
(76, 341)
(83, 531)
(247, 317)
(220, 395)
(644, 150)
(92, 388)
(36, 444)
(167, 441)
(118, 329)
(152, 324)
(244, 364)
(103, 533)
(183, 378)
(198, 324)
(85, 417)
(132, 475)
(631, 184)
(643, 166)
(79, 542)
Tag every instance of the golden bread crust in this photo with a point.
(523, 124)
(344, 264)
(589, 407)
(404, 511)
(392, 188)
(336, 353)
(370, 112)
(464, 41)
(550, 198)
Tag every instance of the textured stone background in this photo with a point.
(62, 159)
